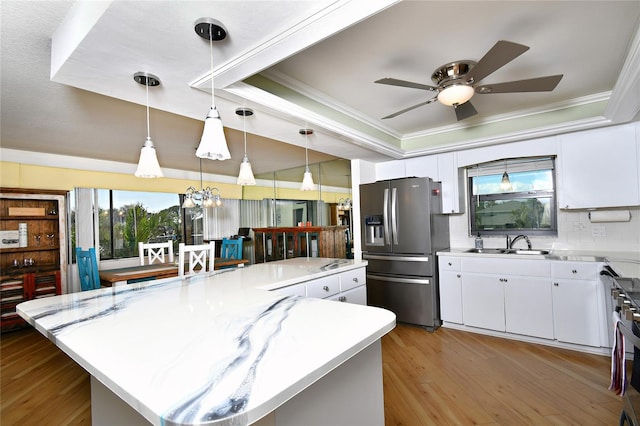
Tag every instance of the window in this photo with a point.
(527, 207)
(129, 217)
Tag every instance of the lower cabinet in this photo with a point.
(16, 288)
(576, 304)
(349, 286)
(549, 299)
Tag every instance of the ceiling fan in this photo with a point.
(456, 81)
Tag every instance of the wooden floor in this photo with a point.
(448, 377)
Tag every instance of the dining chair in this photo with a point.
(87, 269)
(155, 252)
(231, 249)
(194, 259)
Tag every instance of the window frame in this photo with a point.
(474, 199)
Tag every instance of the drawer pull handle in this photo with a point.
(355, 279)
(573, 271)
(449, 263)
(325, 288)
(458, 275)
(342, 298)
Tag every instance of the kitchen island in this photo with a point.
(222, 349)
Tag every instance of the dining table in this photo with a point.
(139, 273)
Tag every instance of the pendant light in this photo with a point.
(213, 144)
(505, 185)
(307, 179)
(148, 166)
(193, 197)
(245, 177)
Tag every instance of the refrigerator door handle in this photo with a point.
(398, 279)
(385, 216)
(394, 215)
(367, 256)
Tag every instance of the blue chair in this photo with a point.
(231, 249)
(87, 269)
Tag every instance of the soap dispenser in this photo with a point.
(479, 242)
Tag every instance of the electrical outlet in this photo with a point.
(579, 226)
(598, 231)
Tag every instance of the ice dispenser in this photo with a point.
(374, 230)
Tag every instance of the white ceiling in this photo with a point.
(303, 64)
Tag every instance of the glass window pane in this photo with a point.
(513, 214)
(534, 180)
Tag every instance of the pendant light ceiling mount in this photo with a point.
(206, 27)
(146, 79)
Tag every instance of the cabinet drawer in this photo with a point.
(574, 270)
(352, 279)
(447, 263)
(323, 287)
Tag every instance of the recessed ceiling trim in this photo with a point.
(295, 113)
(625, 101)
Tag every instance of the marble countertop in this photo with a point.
(211, 349)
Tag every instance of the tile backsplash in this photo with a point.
(575, 232)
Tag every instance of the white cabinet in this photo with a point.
(356, 295)
(507, 295)
(577, 316)
(390, 170)
(452, 179)
(294, 290)
(426, 166)
(450, 288)
(599, 168)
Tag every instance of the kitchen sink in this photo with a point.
(508, 251)
(526, 251)
(486, 250)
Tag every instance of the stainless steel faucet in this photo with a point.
(508, 241)
(510, 244)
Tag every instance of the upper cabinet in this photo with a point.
(599, 168)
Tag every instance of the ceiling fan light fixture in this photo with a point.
(455, 94)
(213, 144)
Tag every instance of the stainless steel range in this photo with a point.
(625, 294)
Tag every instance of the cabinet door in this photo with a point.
(483, 301)
(575, 311)
(452, 180)
(599, 168)
(390, 170)
(528, 306)
(451, 296)
(352, 279)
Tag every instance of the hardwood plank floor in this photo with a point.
(449, 377)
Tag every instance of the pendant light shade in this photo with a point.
(245, 177)
(213, 144)
(307, 178)
(505, 184)
(148, 166)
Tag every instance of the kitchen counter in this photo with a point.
(624, 263)
(215, 349)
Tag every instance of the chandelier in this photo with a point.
(206, 196)
(344, 204)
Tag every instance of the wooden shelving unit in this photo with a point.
(279, 243)
(35, 269)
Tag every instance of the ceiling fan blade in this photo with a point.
(499, 55)
(395, 114)
(403, 83)
(540, 84)
(464, 110)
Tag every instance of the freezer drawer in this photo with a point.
(413, 300)
(418, 266)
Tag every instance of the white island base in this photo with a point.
(349, 395)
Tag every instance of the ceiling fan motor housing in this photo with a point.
(452, 73)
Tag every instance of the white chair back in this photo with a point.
(194, 259)
(155, 253)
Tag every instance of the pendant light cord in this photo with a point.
(306, 149)
(211, 58)
(147, 85)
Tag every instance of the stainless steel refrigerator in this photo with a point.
(402, 228)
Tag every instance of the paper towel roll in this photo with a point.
(599, 216)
